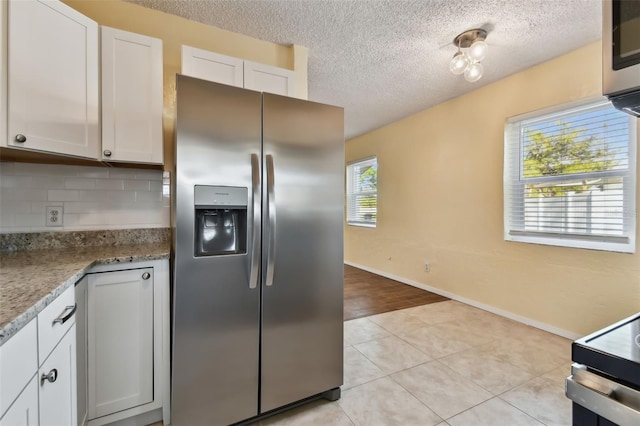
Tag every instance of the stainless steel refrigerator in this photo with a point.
(258, 253)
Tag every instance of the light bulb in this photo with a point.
(459, 63)
(478, 50)
(474, 72)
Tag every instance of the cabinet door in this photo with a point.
(52, 79)
(24, 411)
(131, 97)
(18, 363)
(212, 66)
(57, 394)
(120, 340)
(3, 73)
(81, 347)
(265, 78)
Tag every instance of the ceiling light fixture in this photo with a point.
(468, 62)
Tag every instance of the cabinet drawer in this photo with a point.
(18, 363)
(54, 321)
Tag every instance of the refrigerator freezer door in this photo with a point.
(302, 283)
(216, 308)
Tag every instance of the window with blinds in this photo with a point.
(362, 192)
(569, 177)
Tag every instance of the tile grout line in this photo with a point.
(345, 413)
(412, 394)
(522, 411)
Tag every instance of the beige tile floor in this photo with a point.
(446, 363)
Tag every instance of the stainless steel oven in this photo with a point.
(621, 54)
(605, 378)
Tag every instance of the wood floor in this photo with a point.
(369, 294)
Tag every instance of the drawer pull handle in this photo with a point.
(107, 153)
(146, 276)
(51, 377)
(63, 318)
(21, 138)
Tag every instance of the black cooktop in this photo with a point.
(614, 351)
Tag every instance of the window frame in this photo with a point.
(514, 186)
(349, 195)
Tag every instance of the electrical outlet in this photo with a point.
(427, 267)
(54, 216)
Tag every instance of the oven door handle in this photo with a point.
(611, 400)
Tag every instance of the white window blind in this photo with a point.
(569, 177)
(362, 192)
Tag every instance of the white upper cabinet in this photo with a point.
(52, 79)
(237, 72)
(131, 97)
(212, 66)
(265, 78)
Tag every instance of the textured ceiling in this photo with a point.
(383, 60)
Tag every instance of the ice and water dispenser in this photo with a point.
(220, 220)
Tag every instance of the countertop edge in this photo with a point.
(10, 329)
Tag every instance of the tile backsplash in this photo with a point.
(90, 197)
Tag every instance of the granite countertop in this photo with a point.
(30, 280)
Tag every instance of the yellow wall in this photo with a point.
(176, 31)
(440, 200)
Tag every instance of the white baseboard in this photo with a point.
(524, 320)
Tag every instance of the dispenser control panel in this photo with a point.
(220, 196)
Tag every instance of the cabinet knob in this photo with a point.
(51, 377)
(106, 153)
(146, 276)
(21, 138)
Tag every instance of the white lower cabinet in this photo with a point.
(120, 341)
(97, 354)
(127, 344)
(81, 348)
(47, 394)
(18, 365)
(24, 410)
(57, 376)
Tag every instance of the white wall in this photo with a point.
(91, 197)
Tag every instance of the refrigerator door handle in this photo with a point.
(255, 241)
(271, 212)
